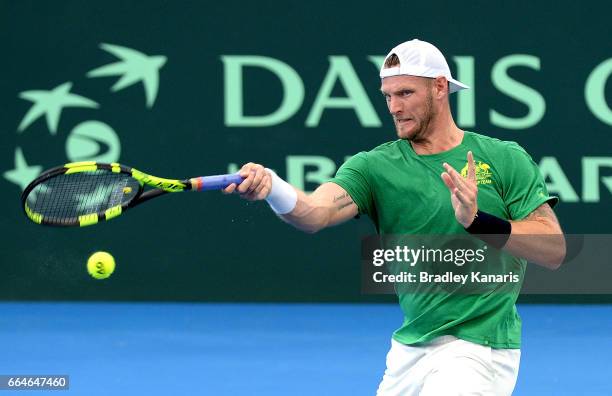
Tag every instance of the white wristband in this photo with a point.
(282, 197)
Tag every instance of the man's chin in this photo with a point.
(406, 135)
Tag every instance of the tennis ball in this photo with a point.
(100, 265)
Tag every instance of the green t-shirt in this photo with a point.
(403, 193)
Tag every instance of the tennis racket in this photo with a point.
(85, 193)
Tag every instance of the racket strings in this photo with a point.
(69, 196)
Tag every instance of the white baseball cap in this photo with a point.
(421, 59)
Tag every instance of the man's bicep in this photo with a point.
(337, 200)
(544, 214)
(542, 211)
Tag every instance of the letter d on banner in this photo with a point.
(293, 90)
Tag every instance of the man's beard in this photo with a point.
(421, 133)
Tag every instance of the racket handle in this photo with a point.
(217, 182)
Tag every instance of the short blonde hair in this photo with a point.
(392, 61)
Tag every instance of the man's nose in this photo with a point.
(395, 106)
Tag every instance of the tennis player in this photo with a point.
(467, 345)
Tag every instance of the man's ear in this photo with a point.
(440, 87)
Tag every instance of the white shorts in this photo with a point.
(448, 366)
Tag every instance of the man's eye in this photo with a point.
(406, 93)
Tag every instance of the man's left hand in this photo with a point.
(463, 191)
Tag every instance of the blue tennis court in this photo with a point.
(270, 349)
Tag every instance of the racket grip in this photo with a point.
(217, 182)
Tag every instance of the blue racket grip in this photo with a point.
(217, 182)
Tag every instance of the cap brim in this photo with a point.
(455, 85)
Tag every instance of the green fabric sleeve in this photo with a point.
(353, 176)
(524, 189)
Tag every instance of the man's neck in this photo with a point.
(439, 140)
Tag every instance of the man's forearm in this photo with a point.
(538, 238)
(328, 205)
(538, 241)
(308, 215)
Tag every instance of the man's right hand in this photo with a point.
(328, 205)
(256, 185)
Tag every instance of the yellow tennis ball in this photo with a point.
(100, 265)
